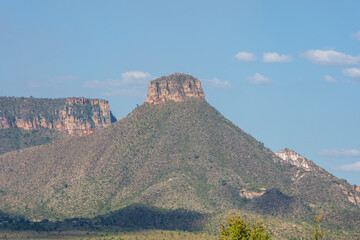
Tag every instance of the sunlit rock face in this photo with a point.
(75, 116)
(175, 87)
(293, 158)
(99, 116)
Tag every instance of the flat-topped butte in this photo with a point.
(175, 87)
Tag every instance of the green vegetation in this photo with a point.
(15, 138)
(42, 116)
(88, 235)
(84, 113)
(318, 233)
(169, 156)
(29, 108)
(187, 161)
(238, 229)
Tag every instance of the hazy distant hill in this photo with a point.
(174, 151)
(26, 122)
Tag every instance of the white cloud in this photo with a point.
(259, 79)
(341, 153)
(135, 78)
(275, 57)
(245, 57)
(356, 35)
(352, 72)
(329, 79)
(218, 83)
(131, 84)
(349, 167)
(330, 57)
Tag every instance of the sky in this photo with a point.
(286, 72)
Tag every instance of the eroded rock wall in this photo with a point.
(75, 116)
(175, 87)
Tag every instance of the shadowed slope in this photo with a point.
(134, 217)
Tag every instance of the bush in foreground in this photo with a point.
(238, 229)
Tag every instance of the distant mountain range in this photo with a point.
(175, 151)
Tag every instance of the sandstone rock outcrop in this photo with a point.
(296, 159)
(251, 194)
(75, 116)
(353, 197)
(175, 87)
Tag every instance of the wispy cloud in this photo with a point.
(135, 77)
(61, 79)
(215, 82)
(245, 57)
(258, 79)
(356, 35)
(128, 78)
(340, 153)
(329, 79)
(352, 72)
(274, 57)
(330, 58)
(34, 84)
(355, 167)
(125, 93)
(97, 84)
(127, 86)
(51, 83)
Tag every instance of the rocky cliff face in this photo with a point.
(75, 116)
(244, 193)
(175, 87)
(296, 159)
(353, 196)
(350, 191)
(83, 116)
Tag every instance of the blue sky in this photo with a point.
(287, 72)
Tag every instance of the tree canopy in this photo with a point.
(238, 229)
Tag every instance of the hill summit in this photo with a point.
(176, 87)
(173, 152)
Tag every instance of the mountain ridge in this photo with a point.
(171, 155)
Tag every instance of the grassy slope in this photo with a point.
(15, 139)
(171, 155)
(28, 108)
